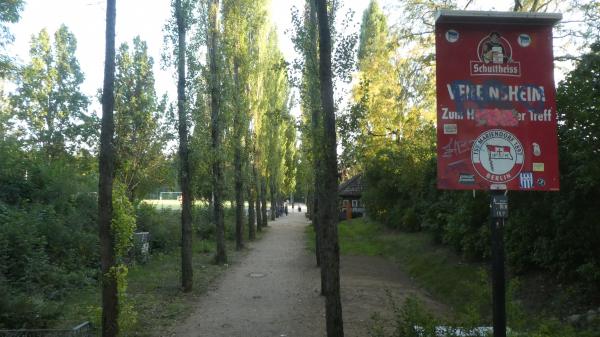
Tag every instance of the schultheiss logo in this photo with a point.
(494, 54)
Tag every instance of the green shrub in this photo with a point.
(412, 319)
(163, 225)
(410, 220)
(35, 274)
(202, 222)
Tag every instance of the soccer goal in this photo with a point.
(169, 196)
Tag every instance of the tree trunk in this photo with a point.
(273, 201)
(328, 203)
(251, 215)
(187, 276)
(263, 201)
(237, 161)
(215, 96)
(317, 138)
(106, 166)
(258, 198)
(317, 229)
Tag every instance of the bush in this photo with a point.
(42, 257)
(21, 309)
(410, 220)
(202, 216)
(163, 225)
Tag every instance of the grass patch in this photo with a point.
(154, 289)
(434, 268)
(464, 287)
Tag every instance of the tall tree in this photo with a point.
(216, 137)
(328, 201)
(110, 302)
(313, 103)
(306, 43)
(243, 21)
(187, 276)
(375, 120)
(48, 97)
(10, 12)
(139, 138)
(273, 130)
(238, 134)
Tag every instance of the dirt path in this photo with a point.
(274, 291)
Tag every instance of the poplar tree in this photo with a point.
(306, 43)
(328, 201)
(271, 136)
(375, 115)
(187, 277)
(110, 302)
(216, 128)
(138, 136)
(243, 23)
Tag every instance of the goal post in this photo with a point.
(169, 196)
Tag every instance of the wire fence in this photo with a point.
(81, 330)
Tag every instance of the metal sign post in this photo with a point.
(496, 114)
(498, 215)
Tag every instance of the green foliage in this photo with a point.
(395, 180)
(48, 237)
(123, 221)
(139, 122)
(412, 319)
(10, 12)
(464, 287)
(48, 100)
(123, 226)
(163, 225)
(461, 286)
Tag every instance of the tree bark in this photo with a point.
(187, 275)
(215, 96)
(251, 215)
(237, 161)
(263, 201)
(317, 139)
(273, 201)
(315, 220)
(258, 198)
(329, 200)
(106, 165)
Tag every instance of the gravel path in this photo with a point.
(274, 291)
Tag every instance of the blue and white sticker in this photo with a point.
(526, 179)
(524, 40)
(452, 36)
(541, 182)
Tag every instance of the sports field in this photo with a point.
(176, 204)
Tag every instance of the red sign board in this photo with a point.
(496, 110)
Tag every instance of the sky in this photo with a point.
(86, 19)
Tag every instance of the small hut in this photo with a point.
(350, 194)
